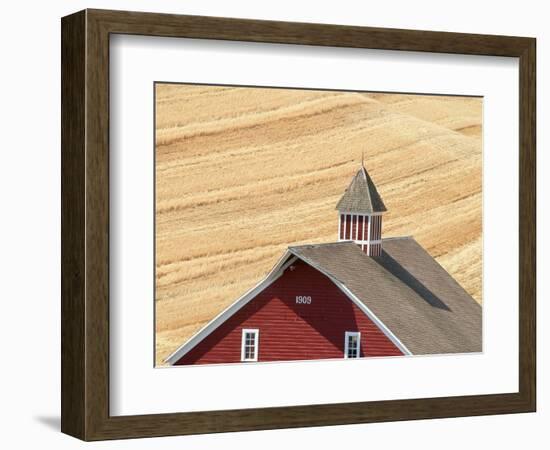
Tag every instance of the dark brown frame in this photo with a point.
(85, 224)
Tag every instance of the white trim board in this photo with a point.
(362, 214)
(358, 242)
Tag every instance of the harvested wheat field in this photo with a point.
(241, 173)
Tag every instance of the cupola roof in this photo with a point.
(361, 196)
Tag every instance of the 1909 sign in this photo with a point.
(303, 299)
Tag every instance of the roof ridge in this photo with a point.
(325, 244)
(322, 244)
(395, 238)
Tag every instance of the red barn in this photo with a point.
(361, 296)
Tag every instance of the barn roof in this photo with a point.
(415, 302)
(411, 294)
(361, 195)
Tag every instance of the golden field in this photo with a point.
(241, 173)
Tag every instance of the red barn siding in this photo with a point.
(290, 331)
(360, 229)
(348, 226)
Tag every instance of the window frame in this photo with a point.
(347, 335)
(256, 333)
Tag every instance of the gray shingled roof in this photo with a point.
(361, 195)
(407, 290)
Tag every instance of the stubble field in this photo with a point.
(241, 173)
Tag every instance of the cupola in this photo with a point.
(360, 214)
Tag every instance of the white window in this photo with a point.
(249, 346)
(352, 344)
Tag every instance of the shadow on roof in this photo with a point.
(392, 266)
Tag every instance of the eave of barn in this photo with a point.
(286, 260)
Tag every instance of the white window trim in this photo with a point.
(348, 334)
(256, 343)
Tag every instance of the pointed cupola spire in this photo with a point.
(360, 214)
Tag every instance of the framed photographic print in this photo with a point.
(272, 225)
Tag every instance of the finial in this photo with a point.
(363, 159)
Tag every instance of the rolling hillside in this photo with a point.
(241, 173)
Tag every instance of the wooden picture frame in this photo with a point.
(85, 224)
